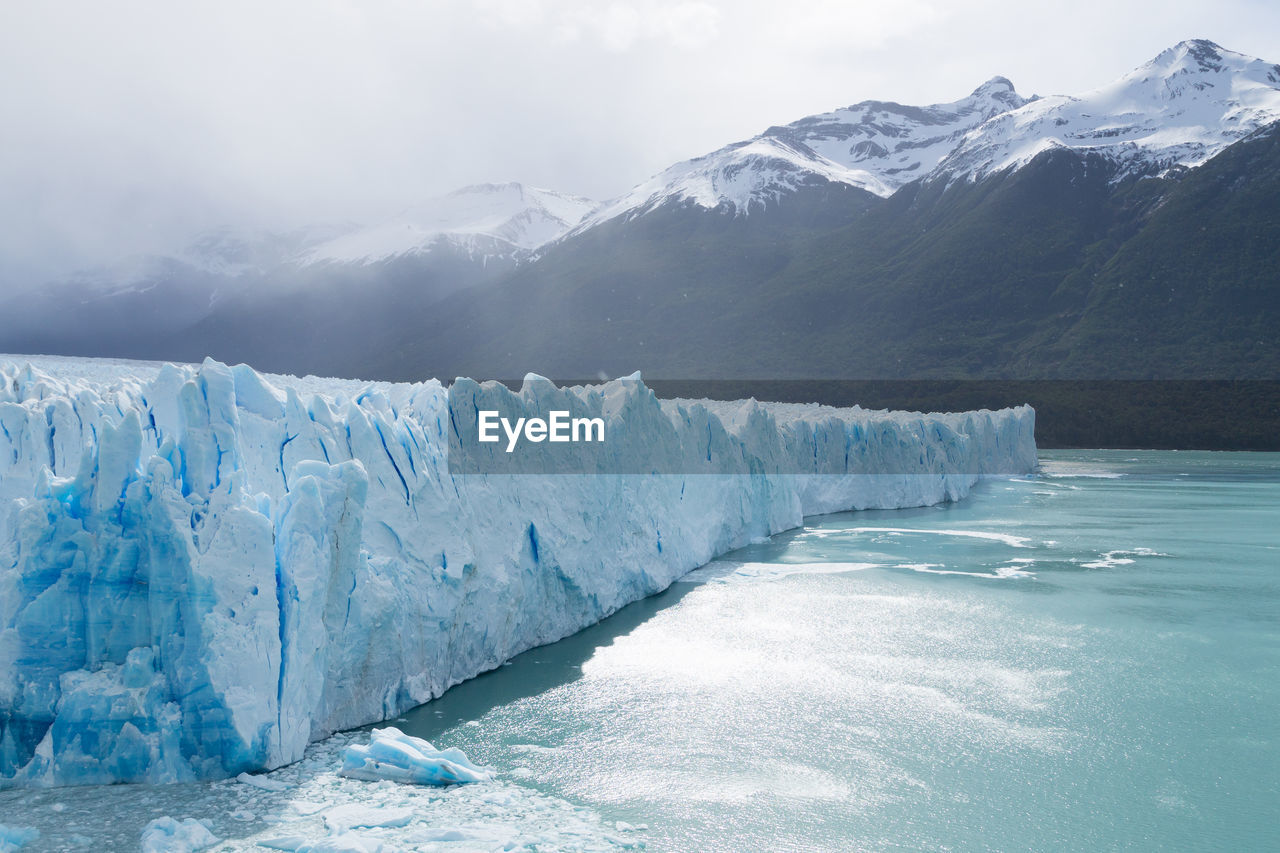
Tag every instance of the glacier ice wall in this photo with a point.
(202, 569)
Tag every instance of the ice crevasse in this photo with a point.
(202, 568)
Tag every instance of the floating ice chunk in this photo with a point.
(306, 807)
(166, 835)
(397, 757)
(447, 836)
(359, 816)
(348, 843)
(266, 783)
(482, 837)
(15, 837)
(284, 842)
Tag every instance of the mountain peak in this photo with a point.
(1179, 109)
(876, 146)
(995, 96)
(1192, 56)
(1197, 49)
(996, 84)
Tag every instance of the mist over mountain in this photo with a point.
(1130, 231)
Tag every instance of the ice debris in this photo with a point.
(166, 835)
(397, 757)
(16, 837)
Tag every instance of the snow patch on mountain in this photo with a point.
(1179, 109)
(480, 221)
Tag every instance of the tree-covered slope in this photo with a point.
(1055, 269)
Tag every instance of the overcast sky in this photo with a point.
(129, 126)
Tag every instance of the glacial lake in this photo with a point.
(1087, 659)
(1084, 660)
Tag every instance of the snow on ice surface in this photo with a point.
(203, 569)
(483, 220)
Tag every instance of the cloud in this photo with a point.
(614, 26)
(825, 25)
(130, 126)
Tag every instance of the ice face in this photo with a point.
(203, 569)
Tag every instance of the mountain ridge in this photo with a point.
(1032, 268)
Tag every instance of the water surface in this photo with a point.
(1087, 659)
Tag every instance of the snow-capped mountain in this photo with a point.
(874, 145)
(1179, 109)
(1042, 247)
(481, 221)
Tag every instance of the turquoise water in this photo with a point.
(1085, 660)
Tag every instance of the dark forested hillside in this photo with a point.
(1052, 270)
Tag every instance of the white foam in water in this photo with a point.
(729, 571)
(1006, 538)
(1064, 469)
(1111, 559)
(997, 573)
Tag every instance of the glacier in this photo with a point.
(203, 568)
